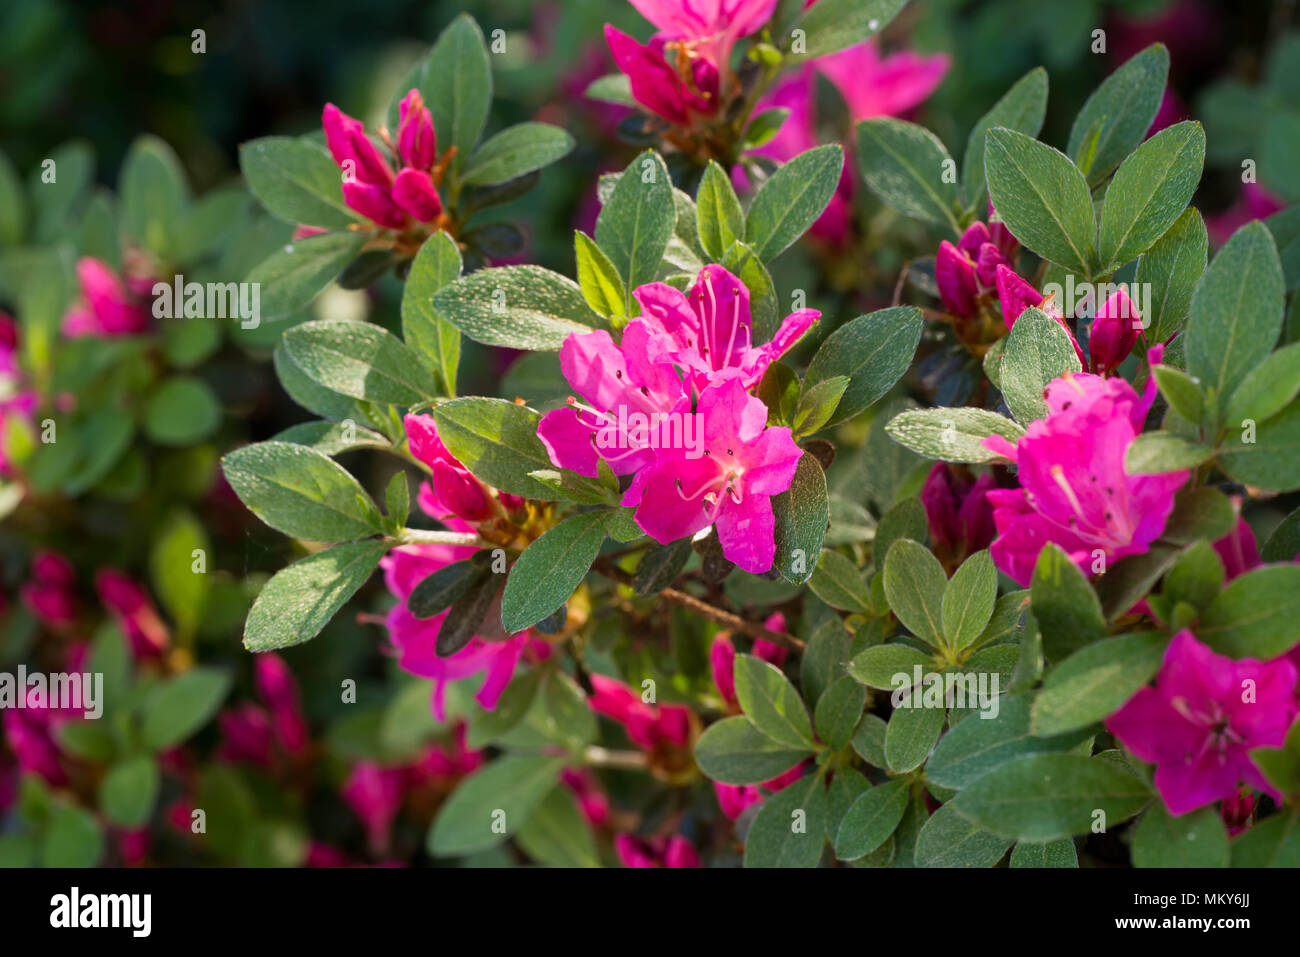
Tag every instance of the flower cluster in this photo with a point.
(683, 347)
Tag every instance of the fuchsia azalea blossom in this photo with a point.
(958, 511)
(649, 726)
(873, 85)
(107, 307)
(1074, 490)
(675, 91)
(130, 605)
(709, 331)
(675, 851)
(706, 28)
(729, 486)
(416, 639)
(1202, 718)
(398, 199)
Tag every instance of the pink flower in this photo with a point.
(134, 846)
(730, 485)
(967, 271)
(1236, 812)
(650, 726)
(723, 657)
(375, 794)
(51, 592)
(614, 379)
(1075, 491)
(735, 798)
(1256, 202)
(709, 332)
(1114, 332)
(678, 91)
(279, 689)
(130, 606)
(106, 307)
(442, 764)
(1016, 295)
(675, 851)
(707, 28)
(1202, 718)
(452, 489)
(393, 199)
(958, 511)
(592, 800)
(416, 639)
(245, 735)
(876, 86)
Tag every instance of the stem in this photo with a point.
(421, 536)
(711, 612)
(623, 760)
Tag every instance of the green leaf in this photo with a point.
(869, 740)
(300, 492)
(1050, 854)
(359, 359)
(770, 702)
(456, 82)
(789, 829)
(1273, 842)
(313, 397)
(331, 438)
(437, 592)
(949, 840)
(300, 599)
(1236, 311)
(660, 567)
(1284, 543)
(877, 666)
(1067, 609)
(952, 434)
(733, 751)
(599, 280)
(557, 835)
(515, 151)
(833, 25)
(1149, 192)
(837, 581)
(1201, 512)
(1266, 389)
(397, 499)
(818, 404)
(912, 732)
(968, 600)
(172, 559)
(839, 710)
(13, 211)
(1121, 111)
(497, 441)
(73, 839)
(907, 519)
(908, 167)
(292, 276)
(873, 351)
(801, 513)
(549, 570)
(154, 194)
(1042, 197)
(721, 221)
(1191, 840)
(1272, 459)
(129, 790)
(1196, 578)
(1171, 269)
(915, 585)
(870, 820)
(435, 340)
(1180, 391)
(1256, 616)
(1038, 351)
(1022, 109)
(636, 223)
(181, 705)
(1153, 453)
(975, 747)
(184, 411)
(519, 307)
(296, 181)
(1095, 681)
(492, 804)
(1046, 797)
(792, 199)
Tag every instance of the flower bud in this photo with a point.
(415, 193)
(374, 202)
(417, 142)
(1114, 332)
(955, 274)
(371, 167)
(338, 128)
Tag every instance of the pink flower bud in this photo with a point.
(723, 658)
(416, 140)
(276, 684)
(338, 128)
(975, 236)
(680, 853)
(374, 202)
(987, 262)
(414, 192)
(958, 511)
(371, 167)
(1114, 332)
(130, 606)
(955, 274)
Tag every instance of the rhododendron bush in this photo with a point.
(822, 490)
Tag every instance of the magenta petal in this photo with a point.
(746, 531)
(569, 442)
